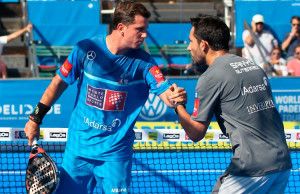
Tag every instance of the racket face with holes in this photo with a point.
(41, 174)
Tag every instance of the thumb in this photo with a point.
(174, 86)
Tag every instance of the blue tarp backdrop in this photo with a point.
(277, 14)
(18, 98)
(65, 22)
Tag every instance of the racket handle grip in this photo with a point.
(35, 141)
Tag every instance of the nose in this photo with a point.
(144, 35)
(189, 47)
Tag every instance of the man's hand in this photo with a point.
(178, 95)
(32, 130)
(253, 26)
(28, 27)
(293, 31)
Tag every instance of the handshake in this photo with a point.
(177, 96)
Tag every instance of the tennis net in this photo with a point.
(164, 161)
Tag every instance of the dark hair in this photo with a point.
(126, 11)
(295, 17)
(297, 46)
(213, 30)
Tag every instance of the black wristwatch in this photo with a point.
(176, 105)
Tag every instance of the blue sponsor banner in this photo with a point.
(18, 98)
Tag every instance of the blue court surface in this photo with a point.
(152, 172)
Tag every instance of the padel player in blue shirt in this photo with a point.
(114, 79)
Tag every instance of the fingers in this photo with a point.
(31, 131)
(173, 87)
(178, 95)
(29, 27)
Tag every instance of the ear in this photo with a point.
(204, 46)
(121, 27)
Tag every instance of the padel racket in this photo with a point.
(41, 174)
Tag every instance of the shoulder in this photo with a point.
(88, 42)
(267, 33)
(142, 55)
(292, 62)
(245, 33)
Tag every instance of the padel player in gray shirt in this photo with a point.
(238, 93)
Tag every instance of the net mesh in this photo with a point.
(163, 167)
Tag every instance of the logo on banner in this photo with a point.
(152, 136)
(298, 136)
(103, 99)
(153, 109)
(138, 135)
(209, 136)
(186, 137)
(222, 136)
(171, 136)
(288, 136)
(20, 135)
(66, 68)
(57, 135)
(4, 134)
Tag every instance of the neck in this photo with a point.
(114, 43)
(212, 55)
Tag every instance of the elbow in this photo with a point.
(196, 138)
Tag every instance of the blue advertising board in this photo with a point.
(18, 98)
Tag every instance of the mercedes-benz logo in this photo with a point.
(154, 108)
(91, 55)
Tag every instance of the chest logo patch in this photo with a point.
(91, 55)
(104, 99)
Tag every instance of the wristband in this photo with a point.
(176, 105)
(39, 112)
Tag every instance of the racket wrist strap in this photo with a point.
(39, 113)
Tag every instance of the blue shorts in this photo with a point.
(80, 175)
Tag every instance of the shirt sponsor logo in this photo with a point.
(253, 89)
(4, 134)
(58, 135)
(119, 190)
(196, 107)
(91, 55)
(96, 125)
(138, 135)
(171, 136)
(244, 66)
(103, 99)
(260, 106)
(157, 74)
(66, 68)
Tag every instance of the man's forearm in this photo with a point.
(53, 91)
(194, 129)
